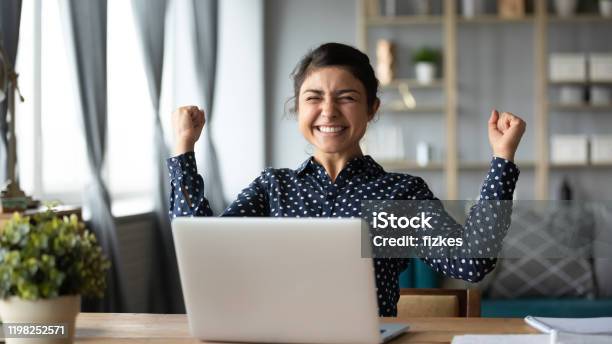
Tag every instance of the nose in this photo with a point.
(328, 108)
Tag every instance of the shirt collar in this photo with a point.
(365, 163)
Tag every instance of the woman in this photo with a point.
(335, 99)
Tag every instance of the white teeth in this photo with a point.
(330, 129)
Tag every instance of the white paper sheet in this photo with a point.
(571, 325)
(562, 338)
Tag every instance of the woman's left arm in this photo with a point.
(488, 220)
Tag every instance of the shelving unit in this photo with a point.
(449, 23)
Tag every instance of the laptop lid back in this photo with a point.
(276, 280)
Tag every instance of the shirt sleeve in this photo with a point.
(186, 187)
(480, 227)
(187, 192)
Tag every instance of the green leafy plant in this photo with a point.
(426, 55)
(45, 256)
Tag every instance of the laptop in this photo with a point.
(278, 280)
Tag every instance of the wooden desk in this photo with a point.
(169, 328)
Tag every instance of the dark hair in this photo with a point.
(338, 55)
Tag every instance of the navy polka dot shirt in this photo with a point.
(309, 192)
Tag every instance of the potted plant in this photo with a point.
(425, 60)
(46, 264)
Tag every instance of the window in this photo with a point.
(51, 148)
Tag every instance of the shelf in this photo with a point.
(580, 83)
(494, 19)
(404, 20)
(588, 18)
(580, 107)
(559, 166)
(438, 166)
(418, 109)
(410, 165)
(414, 84)
(485, 165)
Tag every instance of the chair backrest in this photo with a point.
(424, 302)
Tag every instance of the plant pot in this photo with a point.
(565, 8)
(425, 72)
(58, 310)
(605, 8)
(471, 8)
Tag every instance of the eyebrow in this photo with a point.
(339, 92)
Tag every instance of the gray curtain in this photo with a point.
(165, 293)
(86, 32)
(205, 40)
(10, 16)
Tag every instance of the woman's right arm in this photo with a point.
(187, 186)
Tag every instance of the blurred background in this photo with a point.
(101, 78)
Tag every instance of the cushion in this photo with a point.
(541, 266)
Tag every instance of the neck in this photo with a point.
(335, 162)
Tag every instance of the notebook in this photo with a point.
(565, 338)
(571, 325)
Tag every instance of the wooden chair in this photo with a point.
(423, 302)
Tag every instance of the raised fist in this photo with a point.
(505, 132)
(188, 122)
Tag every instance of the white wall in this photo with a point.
(239, 103)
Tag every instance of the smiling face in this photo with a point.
(332, 111)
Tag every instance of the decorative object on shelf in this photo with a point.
(408, 99)
(600, 95)
(389, 8)
(511, 8)
(601, 149)
(422, 7)
(46, 264)
(385, 61)
(425, 60)
(423, 153)
(569, 149)
(565, 8)
(567, 67)
(471, 8)
(565, 192)
(605, 8)
(571, 95)
(12, 197)
(600, 67)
